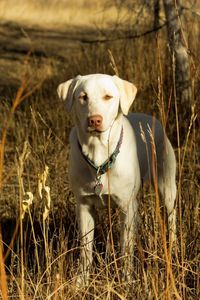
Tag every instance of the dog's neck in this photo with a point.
(99, 147)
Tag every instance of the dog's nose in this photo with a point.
(95, 121)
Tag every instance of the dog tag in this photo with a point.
(98, 188)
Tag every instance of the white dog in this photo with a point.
(110, 154)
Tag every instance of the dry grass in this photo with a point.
(43, 251)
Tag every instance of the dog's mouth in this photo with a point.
(94, 131)
(98, 130)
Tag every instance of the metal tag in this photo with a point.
(98, 188)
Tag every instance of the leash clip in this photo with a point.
(98, 185)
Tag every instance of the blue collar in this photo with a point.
(103, 168)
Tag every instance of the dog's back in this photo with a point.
(150, 136)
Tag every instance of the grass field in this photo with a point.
(40, 246)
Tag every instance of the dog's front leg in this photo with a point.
(128, 219)
(85, 215)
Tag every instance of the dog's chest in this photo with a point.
(115, 186)
(118, 181)
(99, 185)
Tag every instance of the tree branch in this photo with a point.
(125, 37)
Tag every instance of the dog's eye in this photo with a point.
(107, 97)
(83, 97)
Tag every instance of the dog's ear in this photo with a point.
(66, 90)
(127, 93)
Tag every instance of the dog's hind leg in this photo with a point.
(167, 187)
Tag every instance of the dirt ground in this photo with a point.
(43, 45)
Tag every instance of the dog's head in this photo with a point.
(97, 100)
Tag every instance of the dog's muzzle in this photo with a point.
(95, 123)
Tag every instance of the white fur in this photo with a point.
(110, 98)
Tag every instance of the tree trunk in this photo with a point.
(179, 50)
(156, 14)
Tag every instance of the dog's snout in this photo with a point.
(95, 121)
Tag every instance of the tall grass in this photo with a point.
(40, 254)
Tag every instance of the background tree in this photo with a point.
(178, 46)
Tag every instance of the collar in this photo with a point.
(103, 168)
